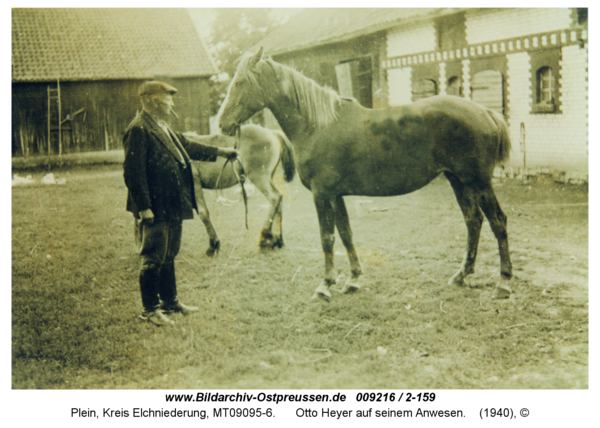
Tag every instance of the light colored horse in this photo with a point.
(263, 154)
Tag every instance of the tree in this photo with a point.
(234, 32)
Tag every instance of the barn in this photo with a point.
(75, 74)
(529, 64)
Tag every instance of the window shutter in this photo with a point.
(344, 78)
(487, 90)
(423, 89)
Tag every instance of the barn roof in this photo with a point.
(98, 44)
(314, 27)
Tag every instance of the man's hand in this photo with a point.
(147, 217)
(228, 153)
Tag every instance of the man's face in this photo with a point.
(163, 102)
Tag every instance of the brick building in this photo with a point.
(529, 64)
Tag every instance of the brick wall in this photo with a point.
(492, 24)
(466, 78)
(399, 86)
(552, 141)
(406, 41)
(442, 87)
(519, 103)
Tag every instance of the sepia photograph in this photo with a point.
(309, 199)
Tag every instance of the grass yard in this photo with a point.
(75, 295)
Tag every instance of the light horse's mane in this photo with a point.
(316, 103)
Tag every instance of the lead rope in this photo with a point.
(240, 178)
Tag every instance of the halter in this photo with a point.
(238, 141)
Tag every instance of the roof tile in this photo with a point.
(313, 27)
(93, 44)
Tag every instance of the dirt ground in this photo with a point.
(405, 328)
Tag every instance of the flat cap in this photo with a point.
(155, 87)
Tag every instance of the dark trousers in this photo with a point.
(160, 243)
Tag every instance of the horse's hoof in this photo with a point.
(321, 293)
(320, 296)
(267, 240)
(211, 252)
(350, 287)
(214, 248)
(458, 280)
(502, 291)
(266, 245)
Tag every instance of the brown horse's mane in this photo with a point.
(317, 103)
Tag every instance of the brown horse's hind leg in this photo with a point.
(326, 215)
(342, 223)
(466, 198)
(498, 221)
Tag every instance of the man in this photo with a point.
(158, 175)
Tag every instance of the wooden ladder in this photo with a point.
(54, 117)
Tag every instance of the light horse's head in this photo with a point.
(245, 97)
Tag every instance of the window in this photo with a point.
(545, 81)
(487, 89)
(355, 80)
(545, 85)
(488, 83)
(544, 91)
(454, 86)
(424, 80)
(424, 88)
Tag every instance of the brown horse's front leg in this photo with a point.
(326, 215)
(342, 222)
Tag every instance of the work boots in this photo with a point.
(149, 287)
(177, 306)
(168, 292)
(156, 317)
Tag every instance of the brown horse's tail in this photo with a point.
(504, 145)
(287, 156)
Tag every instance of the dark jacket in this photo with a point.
(154, 174)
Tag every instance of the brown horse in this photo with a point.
(342, 148)
(263, 154)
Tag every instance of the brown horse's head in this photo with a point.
(244, 96)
